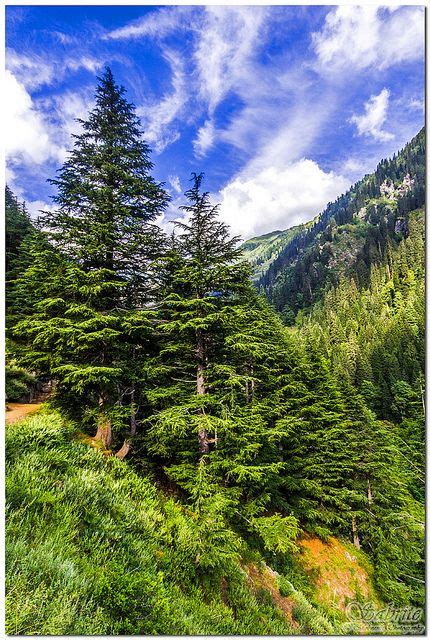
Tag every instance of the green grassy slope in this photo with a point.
(94, 548)
(261, 251)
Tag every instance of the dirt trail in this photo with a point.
(15, 411)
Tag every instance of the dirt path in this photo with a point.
(18, 411)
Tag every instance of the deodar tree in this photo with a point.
(95, 323)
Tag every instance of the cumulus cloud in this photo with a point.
(28, 137)
(375, 114)
(36, 207)
(363, 36)
(278, 197)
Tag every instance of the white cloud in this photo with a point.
(64, 38)
(205, 138)
(278, 197)
(28, 137)
(35, 71)
(36, 207)
(417, 104)
(69, 106)
(158, 117)
(175, 184)
(363, 36)
(155, 24)
(375, 114)
(226, 46)
(32, 72)
(84, 62)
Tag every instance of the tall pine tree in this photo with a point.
(94, 327)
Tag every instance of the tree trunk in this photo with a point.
(369, 492)
(200, 387)
(133, 422)
(133, 428)
(250, 384)
(124, 450)
(104, 425)
(355, 537)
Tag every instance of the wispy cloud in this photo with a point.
(32, 71)
(417, 104)
(64, 38)
(204, 139)
(158, 116)
(156, 24)
(35, 71)
(375, 114)
(226, 47)
(175, 184)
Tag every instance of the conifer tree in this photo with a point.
(93, 326)
(18, 226)
(205, 276)
(220, 351)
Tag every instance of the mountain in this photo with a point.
(261, 251)
(294, 267)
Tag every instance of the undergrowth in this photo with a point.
(93, 548)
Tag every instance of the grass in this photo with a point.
(93, 548)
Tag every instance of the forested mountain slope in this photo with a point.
(350, 235)
(261, 251)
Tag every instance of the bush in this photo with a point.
(19, 383)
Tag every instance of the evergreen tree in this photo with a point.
(92, 327)
(220, 346)
(18, 227)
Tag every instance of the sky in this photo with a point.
(281, 107)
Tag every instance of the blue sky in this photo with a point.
(282, 107)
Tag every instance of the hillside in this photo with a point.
(348, 237)
(94, 548)
(261, 251)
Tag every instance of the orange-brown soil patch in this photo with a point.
(335, 570)
(16, 411)
(265, 578)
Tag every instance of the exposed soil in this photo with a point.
(265, 578)
(16, 411)
(335, 571)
